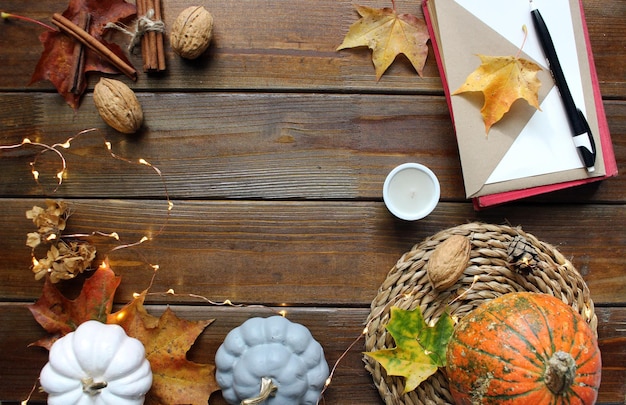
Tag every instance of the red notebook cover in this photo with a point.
(605, 137)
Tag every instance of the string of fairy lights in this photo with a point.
(62, 173)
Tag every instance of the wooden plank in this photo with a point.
(251, 145)
(294, 252)
(290, 47)
(334, 328)
(237, 145)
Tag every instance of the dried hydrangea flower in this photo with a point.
(50, 221)
(65, 261)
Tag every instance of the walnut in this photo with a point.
(118, 106)
(192, 31)
(448, 261)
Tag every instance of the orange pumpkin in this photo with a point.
(523, 348)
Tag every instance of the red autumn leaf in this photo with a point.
(56, 62)
(175, 380)
(60, 316)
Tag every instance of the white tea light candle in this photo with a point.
(411, 191)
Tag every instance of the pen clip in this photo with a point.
(585, 143)
(588, 131)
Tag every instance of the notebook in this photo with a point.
(529, 151)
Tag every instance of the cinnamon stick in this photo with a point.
(81, 35)
(159, 37)
(78, 57)
(152, 48)
(141, 11)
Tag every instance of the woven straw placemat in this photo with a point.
(491, 272)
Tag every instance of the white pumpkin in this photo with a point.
(96, 364)
(272, 361)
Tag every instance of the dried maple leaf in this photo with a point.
(60, 316)
(389, 34)
(167, 339)
(56, 61)
(420, 349)
(503, 80)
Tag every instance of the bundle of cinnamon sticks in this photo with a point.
(152, 51)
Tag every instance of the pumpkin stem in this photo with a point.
(92, 387)
(560, 372)
(267, 390)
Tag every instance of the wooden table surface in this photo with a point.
(273, 149)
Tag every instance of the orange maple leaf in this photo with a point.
(60, 316)
(389, 34)
(503, 80)
(175, 380)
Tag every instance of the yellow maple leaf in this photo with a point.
(389, 34)
(503, 80)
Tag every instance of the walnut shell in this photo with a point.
(192, 31)
(117, 105)
(448, 261)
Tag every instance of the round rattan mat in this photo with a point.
(492, 271)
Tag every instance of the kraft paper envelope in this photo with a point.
(527, 148)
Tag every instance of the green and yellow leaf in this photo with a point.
(420, 349)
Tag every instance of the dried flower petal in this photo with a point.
(33, 239)
(34, 213)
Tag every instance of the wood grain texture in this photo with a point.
(252, 145)
(313, 253)
(351, 383)
(273, 148)
(273, 44)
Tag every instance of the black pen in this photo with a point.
(583, 139)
